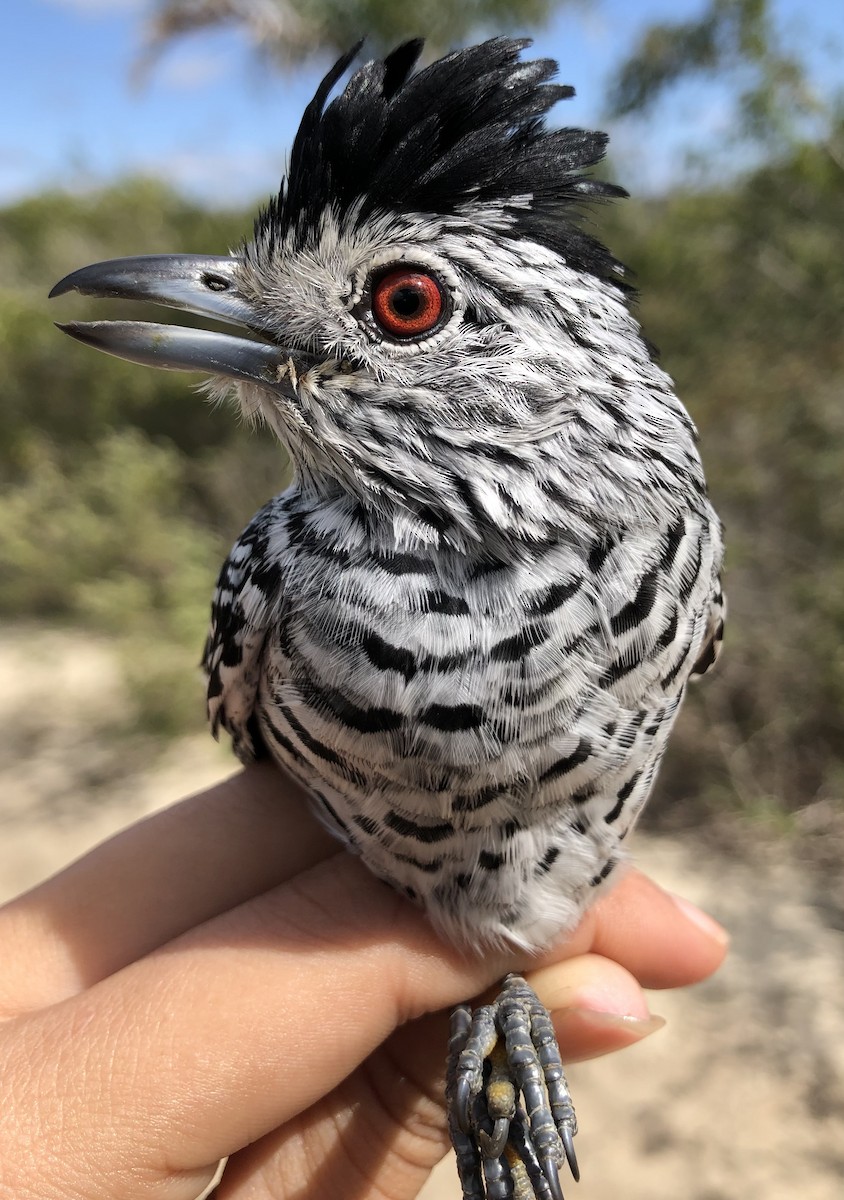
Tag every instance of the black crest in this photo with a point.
(469, 129)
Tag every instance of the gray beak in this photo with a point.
(204, 284)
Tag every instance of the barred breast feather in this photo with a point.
(482, 732)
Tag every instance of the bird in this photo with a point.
(467, 625)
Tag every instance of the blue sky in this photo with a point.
(218, 128)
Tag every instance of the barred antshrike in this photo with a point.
(467, 625)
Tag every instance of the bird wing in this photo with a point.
(714, 636)
(245, 603)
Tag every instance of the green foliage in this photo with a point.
(736, 39)
(45, 375)
(291, 31)
(55, 389)
(104, 543)
(743, 289)
(120, 488)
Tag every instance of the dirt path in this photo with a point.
(741, 1097)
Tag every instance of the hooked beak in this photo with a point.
(204, 284)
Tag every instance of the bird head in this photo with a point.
(432, 333)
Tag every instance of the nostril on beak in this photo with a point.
(215, 283)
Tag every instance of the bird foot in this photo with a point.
(510, 1114)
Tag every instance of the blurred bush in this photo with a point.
(120, 489)
(105, 543)
(51, 388)
(743, 289)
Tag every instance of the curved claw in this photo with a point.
(492, 1145)
(462, 1096)
(571, 1157)
(552, 1176)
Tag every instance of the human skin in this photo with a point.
(222, 979)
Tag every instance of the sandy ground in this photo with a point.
(740, 1096)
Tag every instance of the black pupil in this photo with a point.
(406, 301)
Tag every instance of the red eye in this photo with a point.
(407, 302)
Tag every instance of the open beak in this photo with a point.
(204, 284)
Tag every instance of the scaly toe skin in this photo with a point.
(462, 1096)
(536, 1070)
(459, 1087)
(510, 1111)
(473, 1040)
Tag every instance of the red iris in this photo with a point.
(407, 302)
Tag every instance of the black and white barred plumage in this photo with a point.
(468, 624)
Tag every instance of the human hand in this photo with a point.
(221, 979)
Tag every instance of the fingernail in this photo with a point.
(703, 920)
(634, 1027)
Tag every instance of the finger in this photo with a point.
(386, 1123)
(661, 939)
(596, 1005)
(220, 1036)
(276, 967)
(291, 990)
(376, 1134)
(154, 881)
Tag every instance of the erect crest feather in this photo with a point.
(467, 130)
